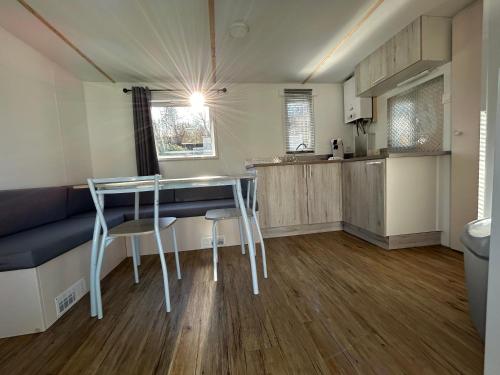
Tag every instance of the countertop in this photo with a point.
(320, 159)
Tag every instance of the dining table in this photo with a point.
(115, 186)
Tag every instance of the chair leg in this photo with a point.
(214, 248)
(242, 238)
(176, 252)
(164, 270)
(262, 246)
(134, 259)
(97, 280)
(138, 250)
(93, 263)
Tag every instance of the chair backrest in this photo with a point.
(98, 198)
(251, 198)
(252, 193)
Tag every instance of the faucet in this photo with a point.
(302, 144)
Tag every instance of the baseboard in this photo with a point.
(375, 239)
(295, 230)
(402, 241)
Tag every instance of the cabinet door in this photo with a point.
(405, 48)
(324, 193)
(352, 192)
(362, 77)
(282, 196)
(371, 70)
(363, 186)
(375, 196)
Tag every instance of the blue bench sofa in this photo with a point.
(37, 225)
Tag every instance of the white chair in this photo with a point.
(132, 228)
(219, 214)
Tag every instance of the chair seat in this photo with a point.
(140, 227)
(225, 213)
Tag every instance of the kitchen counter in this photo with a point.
(320, 159)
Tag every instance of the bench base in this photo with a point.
(31, 292)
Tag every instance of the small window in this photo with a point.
(299, 120)
(182, 132)
(482, 165)
(416, 118)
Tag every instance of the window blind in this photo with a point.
(299, 120)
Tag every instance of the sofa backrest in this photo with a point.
(79, 201)
(145, 198)
(27, 208)
(203, 193)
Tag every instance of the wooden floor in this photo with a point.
(333, 304)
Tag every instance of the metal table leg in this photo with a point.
(249, 235)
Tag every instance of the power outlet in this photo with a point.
(206, 242)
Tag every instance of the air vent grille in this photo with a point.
(70, 296)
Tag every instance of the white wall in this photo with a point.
(44, 136)
(465, 107)
(248, 125)
(491, 55)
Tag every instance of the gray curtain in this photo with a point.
(145, 149)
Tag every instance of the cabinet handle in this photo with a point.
(378, 80)
(374, 162)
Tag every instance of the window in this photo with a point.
(182, 132)
(416, 118)
(482, 166)
(299, 120)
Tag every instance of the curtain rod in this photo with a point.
(222, 90)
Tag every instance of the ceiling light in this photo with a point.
(238, 30)
(197, 101)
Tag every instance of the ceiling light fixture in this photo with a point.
(239, 30)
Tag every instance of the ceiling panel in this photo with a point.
(160, 40)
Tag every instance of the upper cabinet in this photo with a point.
(355, 108)
(422, 45)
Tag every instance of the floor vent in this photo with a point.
(206, 242)
(70, 296)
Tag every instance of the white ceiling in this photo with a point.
(159, 40)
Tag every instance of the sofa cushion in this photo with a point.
(27, 208)
(34, 247)
(182, 209)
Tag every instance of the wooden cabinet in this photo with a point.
(422, 45)
(363, 204)
(324, 193)
(371, 71)
(282, 196)
(355, 108)
(294, 195)
(404, 49)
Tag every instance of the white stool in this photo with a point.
(217, 215)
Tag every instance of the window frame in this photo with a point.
(285, 122)
(211, 116)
